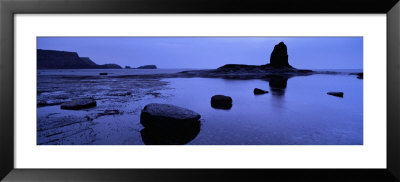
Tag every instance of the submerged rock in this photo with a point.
(167, 117)
(279, 57)
(79, 104)
(258, 91)
(221, 102)
(337, 94)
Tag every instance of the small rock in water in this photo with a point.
(360, 75)
(337, 94)
(167, 116)
(221, 102)
(103, 73)
(79, 104)
(258, 91)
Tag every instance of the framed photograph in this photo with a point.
(199, 90)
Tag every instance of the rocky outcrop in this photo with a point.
(79, 104)
(50, 59)
(221, 102)
(258, 91)
(279, 57)
(337, 94)
(147, 67)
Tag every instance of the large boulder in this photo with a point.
(168, 117)
(258, 91)
(79, 104)
(221, 102)
(279, 57)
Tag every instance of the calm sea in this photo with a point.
(296, 111)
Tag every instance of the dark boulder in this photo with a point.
(221, 102)
(79, 104)
(279, 57)
(258, 91)
(337, 94)
(167, 117)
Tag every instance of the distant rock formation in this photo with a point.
(127, 67)
(279, 57)
(109, 66)
(147, 67)
(50, 59)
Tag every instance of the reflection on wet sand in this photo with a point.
(278, 85)
(155, 136)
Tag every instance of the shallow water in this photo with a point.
(296, 111)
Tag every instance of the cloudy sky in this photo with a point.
(212, 52)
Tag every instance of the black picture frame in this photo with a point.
(8, 8)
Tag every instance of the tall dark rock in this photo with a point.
(279, 57)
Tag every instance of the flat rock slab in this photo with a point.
(167, 117)
(221, 102)
(79, 104)
(337, 94)
(258, 91)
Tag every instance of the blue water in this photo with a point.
(296, 111)
(300, 114)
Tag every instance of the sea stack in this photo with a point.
(279, 57)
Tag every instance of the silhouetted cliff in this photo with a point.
(50, 59)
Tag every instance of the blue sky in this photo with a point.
(212, 52)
